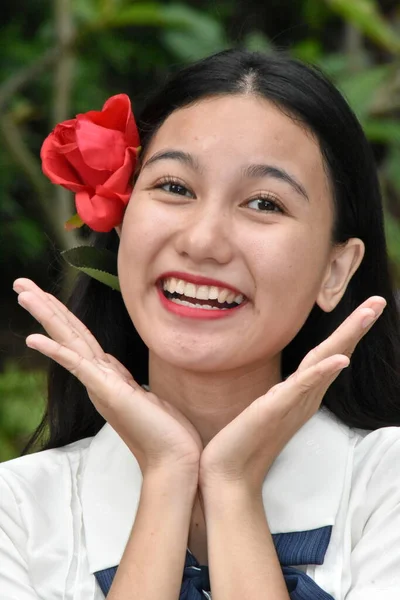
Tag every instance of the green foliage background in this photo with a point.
(62, 57)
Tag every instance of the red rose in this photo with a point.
(94, 156)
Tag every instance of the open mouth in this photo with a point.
(204, 297)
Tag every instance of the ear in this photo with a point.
(344, 262)
(118, 230)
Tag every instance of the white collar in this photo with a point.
(302, 490)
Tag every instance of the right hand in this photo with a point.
(157, 433)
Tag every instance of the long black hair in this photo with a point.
(367, 394)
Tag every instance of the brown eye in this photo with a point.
(264, 204)
(174, 187)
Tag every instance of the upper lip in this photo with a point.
(200, 280)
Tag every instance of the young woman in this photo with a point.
(253, 270)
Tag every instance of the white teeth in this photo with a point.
(191, 305)
(172, 284)
(213, 292)
(180, 287)
(222, 296)
(201, 292)
(190, 290)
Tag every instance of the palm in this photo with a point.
(154, 430)
(246, 448)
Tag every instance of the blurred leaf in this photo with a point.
(202, 34)
(392, 164)
(360, 88)
(365, 15)
(335, 65)
(107, 6)
(86, 12)
(391, 174)
(21, 407)
(8, 447)
(392, 230)
(256, 41)
(308, 50)
(119, 51)
(30, 238)
(315, 13)
(383, 131)
(146, 14)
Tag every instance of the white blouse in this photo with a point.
(67, 513)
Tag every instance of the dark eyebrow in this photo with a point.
(252, 171)
(183, 157)
(257, 171)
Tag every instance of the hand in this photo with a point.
(155, 431)
(245, 449)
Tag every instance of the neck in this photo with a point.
(211, 400)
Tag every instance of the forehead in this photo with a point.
(231, 131)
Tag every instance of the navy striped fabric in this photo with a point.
(302, 547)
(295, 548)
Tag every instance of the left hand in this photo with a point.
(245, 449)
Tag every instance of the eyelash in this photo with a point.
(261, 197)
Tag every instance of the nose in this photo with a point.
(205, 235)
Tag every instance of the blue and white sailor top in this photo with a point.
(332, 500)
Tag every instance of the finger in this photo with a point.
(319, 377)
(306, 388)
(122, 370)
(70, 319)
(57, 328)
(96, 375)
(63, 312)
(346, 337)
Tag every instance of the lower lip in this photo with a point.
(195, 313)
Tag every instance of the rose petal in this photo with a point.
(114, 114)
(57, 168)
(101, 148)
(65, 132)
(102, 190)
(89, 176)
(101, 214)
(64, 148)
(120, 182)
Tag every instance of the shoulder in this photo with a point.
(42, 476)
(41, 520)
(377, 451)
(376, 469)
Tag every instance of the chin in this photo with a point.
(192, 357)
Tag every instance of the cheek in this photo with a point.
(143, 231)
(288, 271)
(146, 231)
(289, 265)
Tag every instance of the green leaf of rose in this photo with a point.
(97, 263)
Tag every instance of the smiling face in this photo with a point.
(234, 191)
